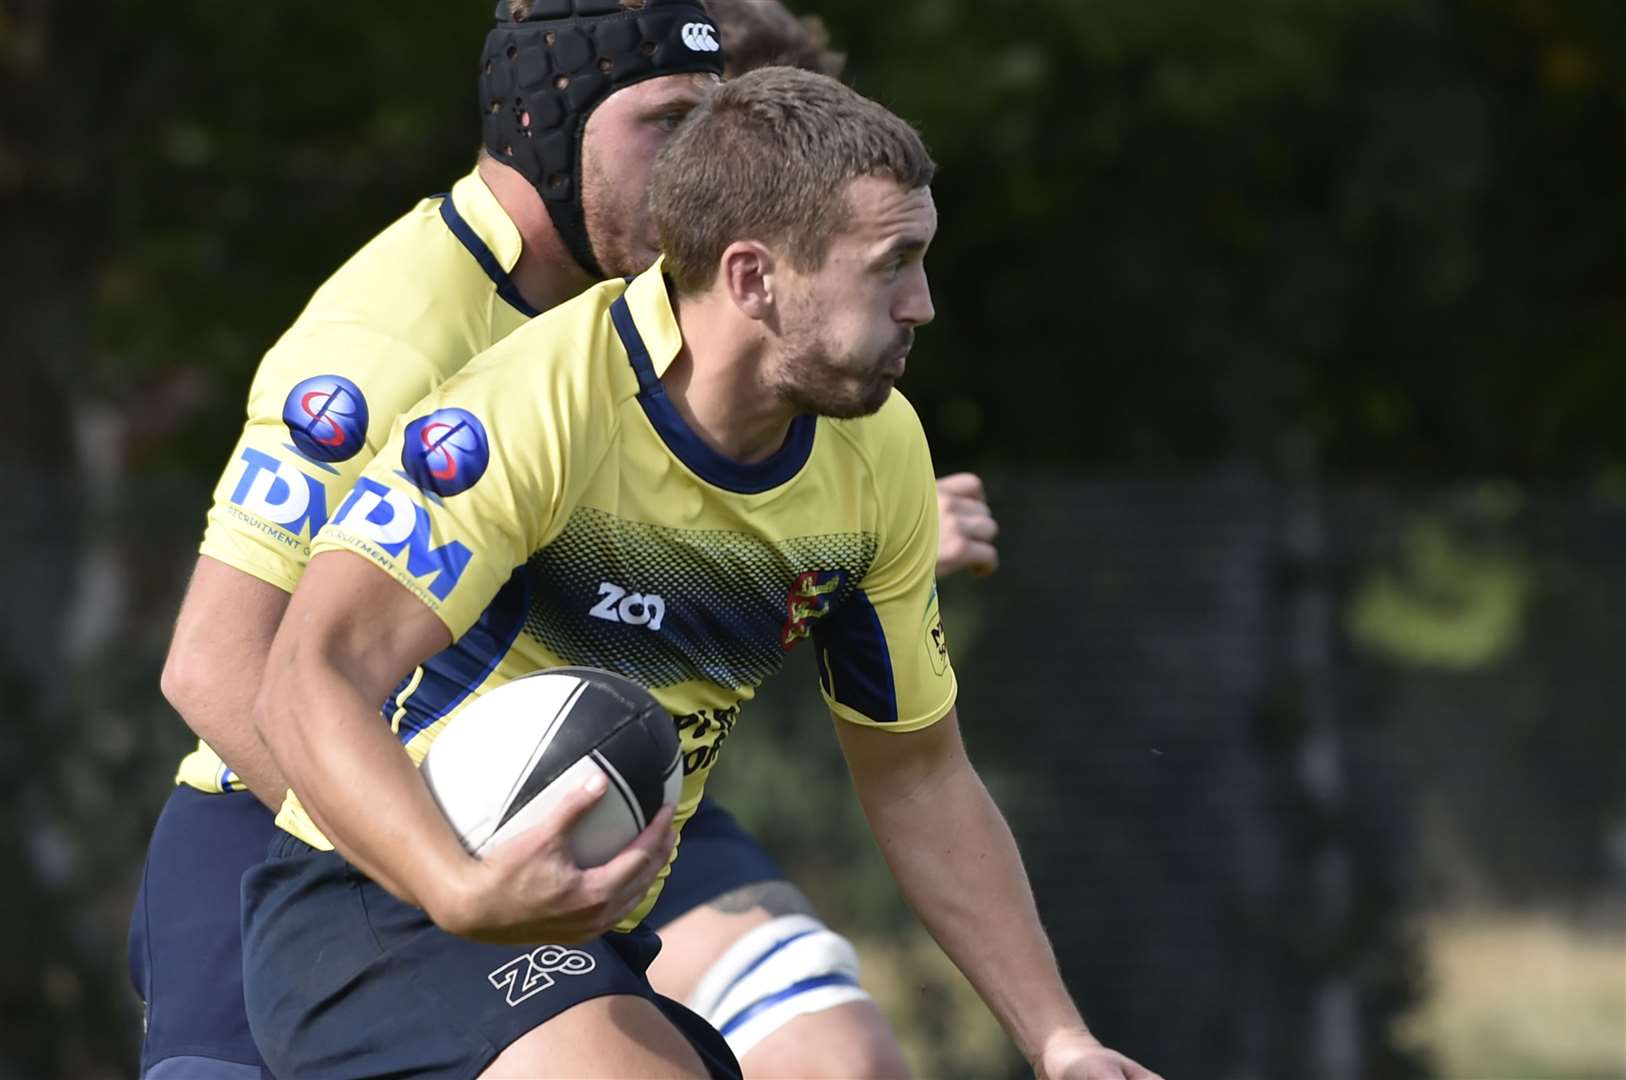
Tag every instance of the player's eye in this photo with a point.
(668, 121)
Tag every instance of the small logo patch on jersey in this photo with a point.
(327, 418)
(445, 452)
(936, 639)
(700, 37)
(619, 605)
(808, 599)
(528, 975)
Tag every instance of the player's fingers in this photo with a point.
(550, 836)
(635, 866)
(975, 527)
(968, 484)
(980, 558)
(960, 553)
(578, 799)
(953, 502)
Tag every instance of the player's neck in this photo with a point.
(546, 273)
(716, 383)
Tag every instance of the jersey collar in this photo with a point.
(481, 225)
(648, 329)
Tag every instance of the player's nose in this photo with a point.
(914, 307)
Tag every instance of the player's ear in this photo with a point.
(747, 274)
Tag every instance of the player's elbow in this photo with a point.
(188, 682)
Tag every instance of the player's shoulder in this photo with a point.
(574, 344)
(418, 283)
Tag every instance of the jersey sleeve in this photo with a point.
(473, 479)
(320, 405)
(883, 658)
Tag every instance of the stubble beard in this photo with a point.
(610, 247)
(810, 382)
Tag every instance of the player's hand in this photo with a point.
(529, 889)
(966, 528)
(1076, 1055)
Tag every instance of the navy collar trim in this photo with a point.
(482, 254)
(706, 463)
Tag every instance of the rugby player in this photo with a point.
(720, 433)
(442, 284)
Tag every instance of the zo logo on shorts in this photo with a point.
(526, 976)
(700, 37)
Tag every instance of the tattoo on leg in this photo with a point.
(774, 897)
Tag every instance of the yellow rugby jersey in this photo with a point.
(405, 312)
(552, 507)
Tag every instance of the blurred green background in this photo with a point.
(1290, 336)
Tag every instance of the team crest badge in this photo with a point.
(808, 600)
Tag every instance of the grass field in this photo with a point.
(1511, 997)
(1522, 998)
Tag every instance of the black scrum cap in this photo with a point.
(541, 78)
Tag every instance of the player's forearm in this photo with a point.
(957, 864)
(357, 783)
(211, 677)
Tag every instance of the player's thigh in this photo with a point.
(851, 1041)
(608, 1037)
(780, 986)
(693, 942)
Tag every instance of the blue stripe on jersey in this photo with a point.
(733, 1023)
(458, 670)
(482, 254)
(708, 464)
(854, 664)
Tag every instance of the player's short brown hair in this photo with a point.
(769, 157)
(763, 33)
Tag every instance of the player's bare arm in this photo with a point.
(955, 861)
(966, 529)
(216, 657)
(350, 634)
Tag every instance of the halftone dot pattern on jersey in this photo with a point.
(720, 598)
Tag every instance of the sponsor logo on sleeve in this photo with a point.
(936, 641)
(446, 452)
(397, 525)
(327, 418)
(273, 490)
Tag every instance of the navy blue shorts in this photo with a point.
(343, 981)
(715, 857)
(186, 932)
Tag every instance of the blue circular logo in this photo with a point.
(446, 451)
(327, 417)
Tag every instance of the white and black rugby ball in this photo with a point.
(509, 756)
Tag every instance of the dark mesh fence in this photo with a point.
(1245, 730)
(1242, 729)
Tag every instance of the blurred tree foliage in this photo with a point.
(1394, 221)
(1172, 233)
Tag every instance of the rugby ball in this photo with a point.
(508, 757)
